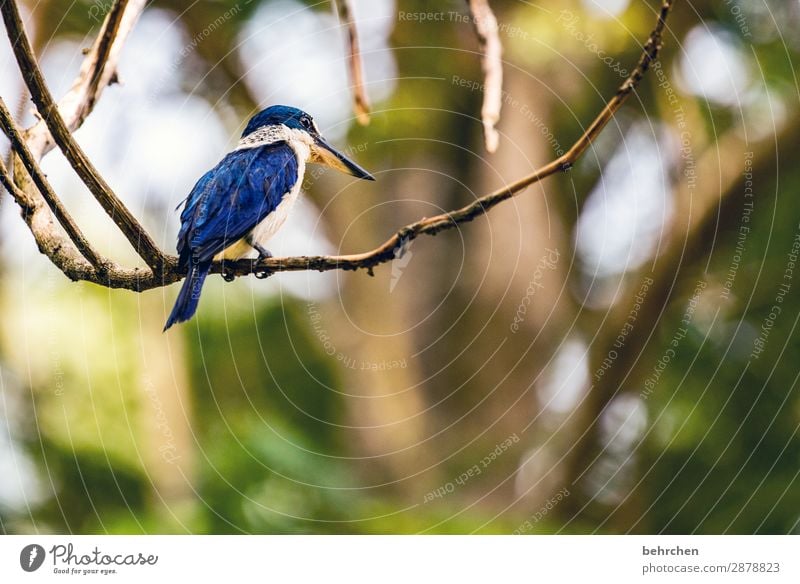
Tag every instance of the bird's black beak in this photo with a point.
(324, 153)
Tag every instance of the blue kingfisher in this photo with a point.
(238, 205)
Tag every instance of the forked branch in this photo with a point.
(164, 269)
(27, 204)
(40, 93)
(99, 69)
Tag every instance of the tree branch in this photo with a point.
(98, 70)
(433, 225)
(492, 64)
(139, 279)
(360, 100)
(114, 207)
(25, 201)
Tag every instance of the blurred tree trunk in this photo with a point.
(674, 274)
(517, 262)
(167, 444)
(384, 400)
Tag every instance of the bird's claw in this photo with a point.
(259, 271)
(227, 272)
(263, 253)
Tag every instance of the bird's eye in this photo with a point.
(305, 121)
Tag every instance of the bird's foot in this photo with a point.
(258, 270)
(263, 253)
(227, 271)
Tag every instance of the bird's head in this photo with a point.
(281, 122)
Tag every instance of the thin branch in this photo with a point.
(360, 100)
(114, 207)
(649, 54)
(492, 64)
(98, 70)
(451, 219)
(138, 279)
(21, 149)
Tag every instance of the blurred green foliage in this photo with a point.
(243, 422)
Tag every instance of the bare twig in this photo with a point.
(21, 149)
(141, 279)
(97, 71)
(433, 225)
(114, 207)
(360, 100)
(492, 64)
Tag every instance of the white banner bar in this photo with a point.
(400, 559)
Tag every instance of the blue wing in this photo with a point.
(233, 197)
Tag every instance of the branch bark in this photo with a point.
(164, 269)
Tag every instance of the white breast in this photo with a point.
(264, 231)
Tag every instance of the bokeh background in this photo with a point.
(613, 351)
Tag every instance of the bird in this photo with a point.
(237, 206)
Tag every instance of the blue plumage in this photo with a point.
(277, 114)
(229, 202)
(233, 197)
(223, 207)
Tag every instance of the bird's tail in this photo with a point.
(189, 296)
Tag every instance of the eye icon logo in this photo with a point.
(31, 557)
